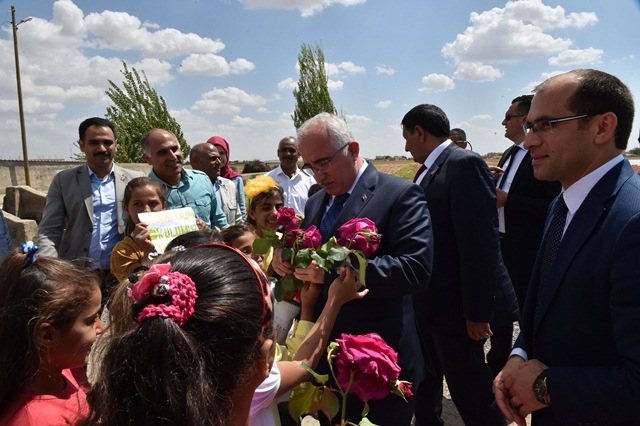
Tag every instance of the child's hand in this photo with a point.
(201, 225)
(143, 239)
(345, 287)
(309, 294)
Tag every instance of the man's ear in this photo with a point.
(607, 124)
(81, 145)
(147, 159)
(354, 148)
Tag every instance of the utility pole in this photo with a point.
(23, 131)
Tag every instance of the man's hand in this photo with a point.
(502, 393)
(312, 273)
(501, 197)
(496, 172)
(281, 267)
(478, 330)
(520, 385)
(202, 226)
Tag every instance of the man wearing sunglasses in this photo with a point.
(577, 359)
(523, 202)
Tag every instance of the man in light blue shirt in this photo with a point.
(185, 188)
(5, 238)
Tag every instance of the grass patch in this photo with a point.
(407, 172)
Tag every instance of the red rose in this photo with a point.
(374, 365)
(286, 215)
(405, 388)
(311, 238)
(360, 234)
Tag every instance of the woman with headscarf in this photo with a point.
(227, 172)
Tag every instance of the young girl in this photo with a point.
(49, 319)
(265, 199)
(242, 238)
(142, 194)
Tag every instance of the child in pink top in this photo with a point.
(49, 320)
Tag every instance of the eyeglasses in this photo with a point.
(508, 117)
(322, 164)
(546, 125)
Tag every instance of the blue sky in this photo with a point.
(228, 67)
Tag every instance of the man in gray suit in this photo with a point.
(205, 157)
(82, 219)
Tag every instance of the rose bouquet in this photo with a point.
(366, 367)
(358, 240)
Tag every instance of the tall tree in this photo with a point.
(312, 94)
(137, 109)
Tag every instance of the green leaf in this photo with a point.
(320, 378)
(261, 246)
(279, 292)
(287, 254)
(329, 404)
(362, 266)
(338, 254)
(303, 258)
(305, 399)
(365, 410)
(366, 422)
(321, 261)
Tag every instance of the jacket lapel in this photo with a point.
(582, 226)
(437, 165)
(84, 183)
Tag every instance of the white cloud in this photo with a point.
(510, 34)
(476, 71)
(577, 57)
(433, 83)
(335, 84)
(481, 117)
(342, 69)
(384, 69)
(288, 84)
(229, 100)
(306, 7)
(383, 104)
(213, 65)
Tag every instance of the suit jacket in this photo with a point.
(67, 220)
(469, 280)
(589, 319)
(230, 207)
(525, 213)
(400, 266)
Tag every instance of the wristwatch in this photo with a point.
(540, 388)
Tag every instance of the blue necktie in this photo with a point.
(552, 240)
(330, 217)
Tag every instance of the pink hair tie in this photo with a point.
(159, 282)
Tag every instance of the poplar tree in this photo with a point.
(312, 94)
(137, 108)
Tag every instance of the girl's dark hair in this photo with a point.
(232, 232)
(134, 184)
(158, 373)
(50, 290)
(194, 238)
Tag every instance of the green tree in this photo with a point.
(312, 94)
(137, 109)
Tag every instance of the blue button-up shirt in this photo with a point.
(5, 238)
(105, 219)
(195, 190)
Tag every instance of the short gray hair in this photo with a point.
(336, 127)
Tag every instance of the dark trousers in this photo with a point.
(461, 361)
(501, 345)
(390, 411)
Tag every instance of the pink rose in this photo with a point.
(286, 215)
(373, 362)
(150, 279)
(360, 234)
(311, 238)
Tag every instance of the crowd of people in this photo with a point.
(97, 327)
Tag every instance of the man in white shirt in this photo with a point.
(293, 181)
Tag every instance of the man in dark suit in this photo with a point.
(577, 359)
(523, 202)
(469, 287)
(400, 266)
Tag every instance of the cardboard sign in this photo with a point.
(165, 225)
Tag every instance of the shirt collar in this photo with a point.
(431, 158)
(91, 173)
(577, 193)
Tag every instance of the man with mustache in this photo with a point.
(87, 200)
(185, 188)
(205, 158)
(293, 182)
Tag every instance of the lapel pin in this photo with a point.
(364, 197)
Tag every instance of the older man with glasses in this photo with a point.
(401, 266)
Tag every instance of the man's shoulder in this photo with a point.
(122, 170)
